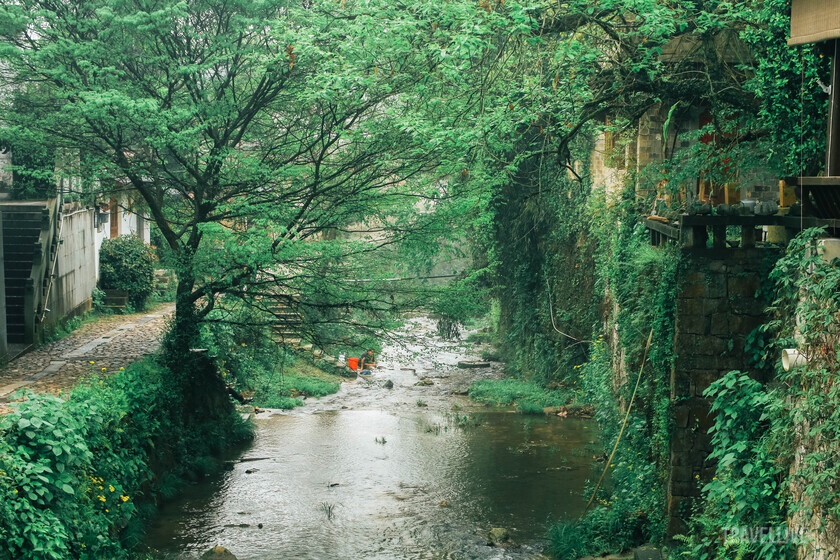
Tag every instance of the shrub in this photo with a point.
(72, 470)
(126, 263)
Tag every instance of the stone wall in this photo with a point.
(719, 304)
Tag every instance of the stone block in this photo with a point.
(689, 488)
(681, 415)
(682, 440)
(647, 553)
(681, 474)
(744, 305)
(690, 307)
(718, 266)
(716, 285)
(692, 459)
(676, 526)
(693, 324)
(682, 384)
(702, 379)
(702, 418)
(702, 345)
(720, 323)
(693, 289)
(746, 285)
(715, 305)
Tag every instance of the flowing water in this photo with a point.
(369, 474)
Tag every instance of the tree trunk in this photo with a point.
(202, 389)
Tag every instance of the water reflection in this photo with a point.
(326, 486)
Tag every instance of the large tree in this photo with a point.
(280, 147)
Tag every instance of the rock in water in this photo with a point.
(218, 553)
(498, 537)
(389, 384)
(472, 364)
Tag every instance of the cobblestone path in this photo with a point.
(113, 341)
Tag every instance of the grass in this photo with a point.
(529, 397)
(309, 385)
(302, 379)
(279, 401)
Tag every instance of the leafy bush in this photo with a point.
(71, 471)
(126, 263)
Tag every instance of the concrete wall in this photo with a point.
(716, 309)
(77, 265)
(4, 348)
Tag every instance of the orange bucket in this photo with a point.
(353, 363)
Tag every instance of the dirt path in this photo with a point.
(108, 344)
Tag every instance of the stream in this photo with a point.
(411, 472)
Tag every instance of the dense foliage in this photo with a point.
(126, 263)
(75, 472)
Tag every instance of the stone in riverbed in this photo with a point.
(218, 553)
(472, 364)
(498, 537)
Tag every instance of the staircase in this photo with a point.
(287, 324)
(26, 226)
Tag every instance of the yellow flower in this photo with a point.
(111, 488)
(103, 369)
(106, 511)
(122, 368)
(101, 498)
(124, 498)
(696, 476)
(91, 362)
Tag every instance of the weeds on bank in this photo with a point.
(78, 475)
(529, 397)
(451, 422)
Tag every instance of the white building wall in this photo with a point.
(76, 265)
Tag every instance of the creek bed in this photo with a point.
(387, 479)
